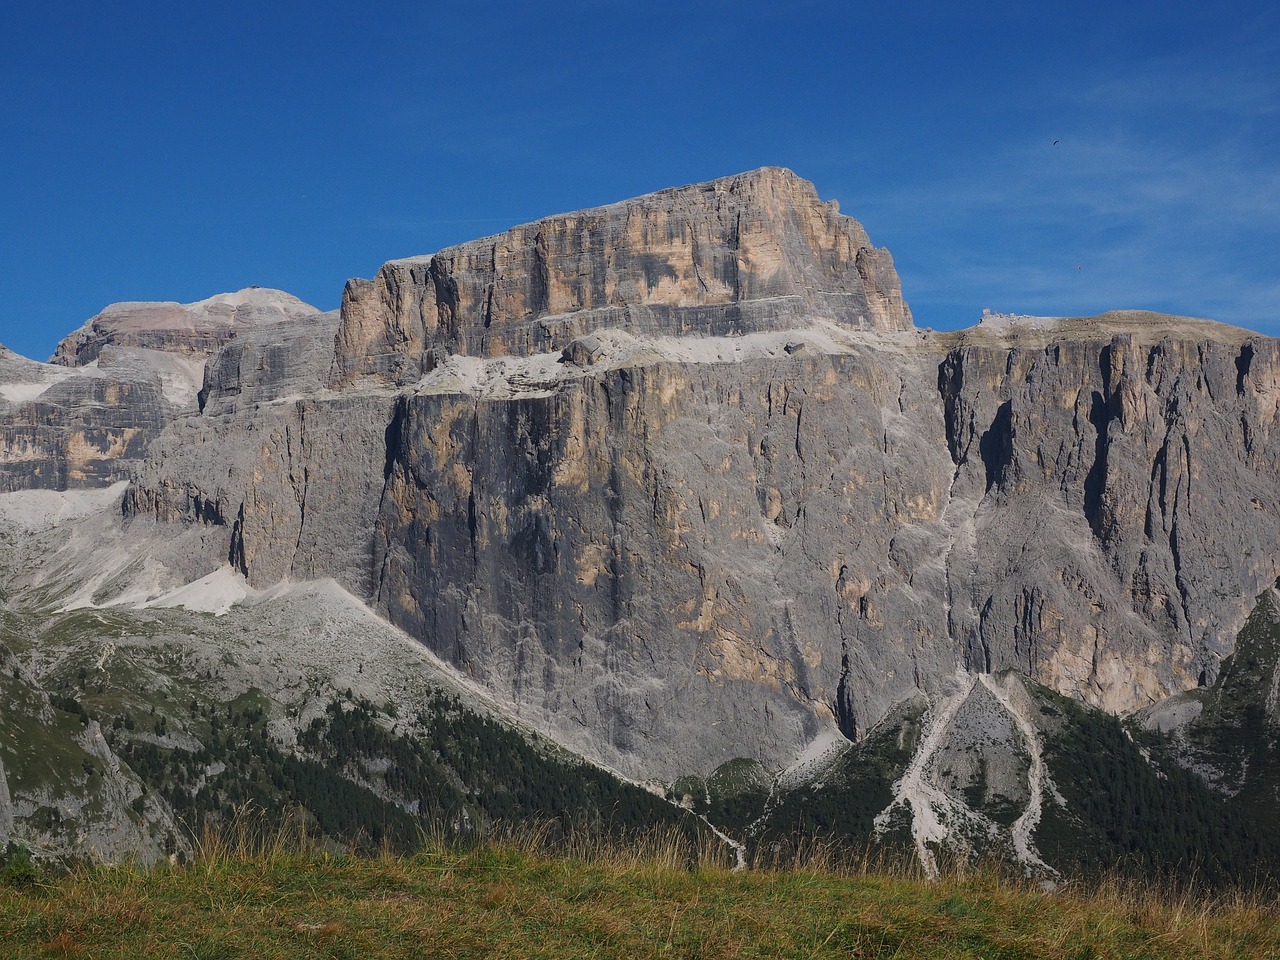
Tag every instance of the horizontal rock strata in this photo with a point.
(754, 252)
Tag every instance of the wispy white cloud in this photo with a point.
(1163, 190)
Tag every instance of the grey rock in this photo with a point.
(61, 429)
(87, 418)
(583, 351)
(6, 807)
(1123, 501)
(288, 358)
(198, 328)
(292, 487)
(758, 251)
(696, 544)
(751, 552)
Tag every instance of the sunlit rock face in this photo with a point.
(192, 329)
(678, 481)
(753, 252)
(687, 557)
(269, 363)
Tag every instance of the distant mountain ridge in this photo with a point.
(198, 329)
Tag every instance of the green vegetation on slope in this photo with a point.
(452, 765)
(201, 721)
(842, 804)
(1237, 735)
(366, 776)
(1131, 807)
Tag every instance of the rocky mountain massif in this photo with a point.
(677, 484)
(88, 416)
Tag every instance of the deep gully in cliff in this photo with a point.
(946, 553)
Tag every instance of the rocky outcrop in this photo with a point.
(61, 429)
(293, 487)
(195, 329)
(753, 252)
(6, 807)
(262, 364)
(1132, 500)
(666, 559)
(88, 418)
(293, 477)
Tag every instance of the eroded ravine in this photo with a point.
(1037, 776)
(938, 817)
(931, 807)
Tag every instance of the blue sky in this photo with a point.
(173, 151)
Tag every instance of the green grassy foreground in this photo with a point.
(515, 899)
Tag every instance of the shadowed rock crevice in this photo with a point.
(950, 389)
(1243, 362)
(393, 438)
(995, 446)
(845, 711)
(235, 552)
(1095, 480)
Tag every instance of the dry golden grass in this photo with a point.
(257, 892)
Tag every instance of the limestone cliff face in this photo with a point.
(61, 429)
(293, 487)
(669, 560)
(268, 362)
(88, 417)
(1120, 502)
(195, 329)
(292, 479)
(677, 480)
(754, 550)
(752, 252)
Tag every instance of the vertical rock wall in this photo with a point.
(660, 556)
(752, 252)
(677, 559)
